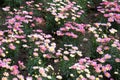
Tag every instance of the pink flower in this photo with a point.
(106, 15)
(39, 20)
(39, 78)
(6, 8)
(106, 48)
(68, 34)
(47, 56)
(21, 64)
(11, 46)
(42, 71)
(58, 54)
(99, 49)
(65, 58)
(38, 30)
(97, 69)
(82, 67)
(81, 61)
(15, 79)
(107, 39)
(81, 28)
(31, 13)
(117, 60)
(11, 21)
(104, 69)
(92, 77)
(107, 74)
(1, 33)
(73, 35)
(48, 36)
(102, 60)
(18, 17)
(9, 26)
(63, 29)
(43, 48)
(22, 19)
(1, 51)
(32, 25)
(107, 56)
(15, 70)
(108, 67)
(17, 24)
(94, 63)
(59, 33)
(84, 79)
(35, 54)
(29, 78)
(97, 24)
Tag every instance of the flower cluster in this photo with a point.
(43, 44)
(65, 10)
(85, 65)
(110, 10)
(29, 52)
(69, 51)
(69, 27)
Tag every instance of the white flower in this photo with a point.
(56, 19)
(71, 55)
(88, 75)
(42, 72)
(71, 75)
(56, 0)
(6, 74)
(91, 29)
(86, 70)
(27, 16)
(24, 45)
(73, 18)
(66, 52)
(29, 78)
(17, 42)
(6, 8)
(79, 53)
(53, 44)
(114, 45)
(51, 49)
(59, 77)
(116, 73)
(4, 78)
(49, 77)
(112, 31)
(81, 76)
(51, 67)
(35, 67)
